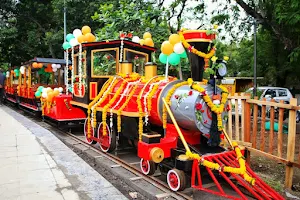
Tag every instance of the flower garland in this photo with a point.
(218, 109)
(241, 170)
(104, 88)
(72, 79)
(130, 77)
(43, 106)
(109, 104)
(80, 69)
(124, 105)
(66, 72)
(141, 113)
(195, 51)
(145, 104)
(168, 97)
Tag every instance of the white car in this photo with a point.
(276, 93)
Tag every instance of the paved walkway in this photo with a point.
(35, 165)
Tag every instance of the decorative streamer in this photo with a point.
(72, 80)
(80, 69)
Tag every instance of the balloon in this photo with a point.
(166, 48)
(174, 39)
(73, 42)
(163, 58)
(44, 90)
(69, 37)
(44, 94)
(135, 39)
(81, 39)
(53, 65)
(178, 48)
(90, 37)
(58, 66)
(149, 42)
(54, 69)
(38, 94)
(77, 33)
(34, 65)
(40, 65)
(183, 55)
(56, 92)
(40, 88)
(142, 42)
(147, 35)
(174, 59)
(66, 45)
(85, 30)
(60, 89)
(50, 96)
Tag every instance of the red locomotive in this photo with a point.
(176, 125)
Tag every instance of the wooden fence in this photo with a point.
(246, 124)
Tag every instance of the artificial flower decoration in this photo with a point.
(214, 58)
(226, 58)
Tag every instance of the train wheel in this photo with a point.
(108, 142)
(176, 179)
(147, 167)
(85, 130)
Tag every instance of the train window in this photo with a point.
(104, 62)
(83, 64)
(137, 58)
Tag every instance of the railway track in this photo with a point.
(127, 169)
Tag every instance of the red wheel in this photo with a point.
(147, 167)
(108, 142)
(176, 180)
(92, 131)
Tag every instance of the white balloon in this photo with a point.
(60, 89)
(178, 48)
(73, 42)
(53, 65)
(49, 88)
(58, 66)
(54, 69)
(77, 33)
(44, 94)
(136, 39)
(56, 89)
(44, 90)
(7, 75)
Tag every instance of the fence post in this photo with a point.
(291, 145)
(246, 125)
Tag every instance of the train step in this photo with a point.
(151, 137)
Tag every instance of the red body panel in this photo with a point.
(62, 110)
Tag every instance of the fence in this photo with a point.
(247, 124)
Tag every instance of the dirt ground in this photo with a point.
(272, 171)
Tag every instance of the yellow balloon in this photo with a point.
(85, 30)
(50, 96)
(174, 39)
(166, 48)
(149, 42)
(142, 42)
(90, 37)
(147, 35)
(81, 39)
(48, 91)
(56, 93)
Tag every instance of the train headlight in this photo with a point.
(222, 70)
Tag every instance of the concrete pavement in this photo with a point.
(34, 164)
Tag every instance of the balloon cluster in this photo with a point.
(147, 39)
(55, 67)
(37, 65)
(172, 50)
(48, 93)
(78, 37)
(22, 70)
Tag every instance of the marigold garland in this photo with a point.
(124, 105)
(104, 88)
(241, 170)
(168, 97)
(149, 97)
(109, 104)
(141, 113)
(195, 51)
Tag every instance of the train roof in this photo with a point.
(47, 60)
(117, 43)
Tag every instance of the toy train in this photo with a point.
(176, 125)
